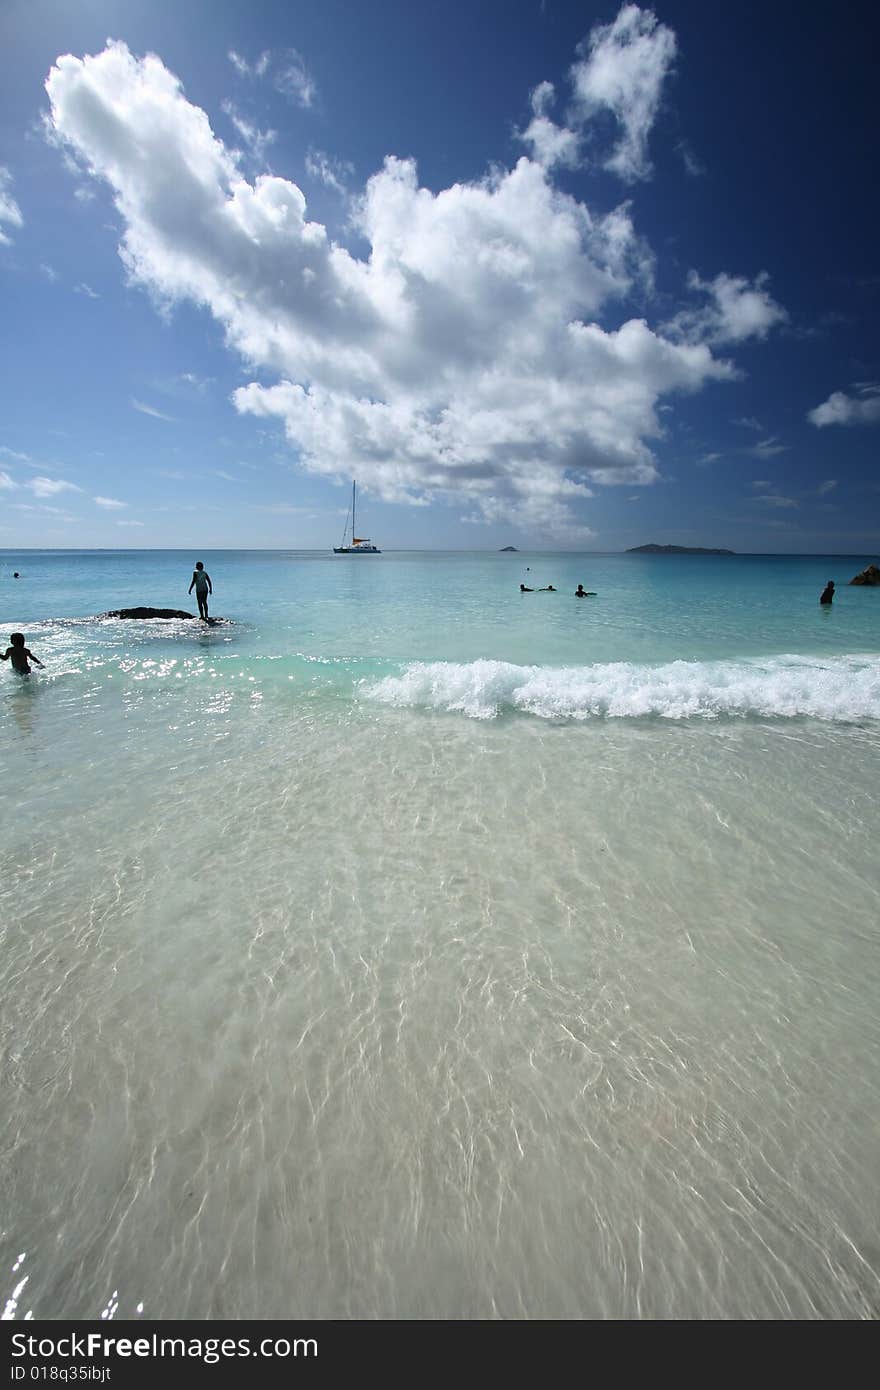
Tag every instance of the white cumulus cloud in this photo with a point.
(737, 309)
(460, 357)
(550, 144)
(622, 70)
(841, 409)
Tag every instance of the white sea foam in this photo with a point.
(836, 688)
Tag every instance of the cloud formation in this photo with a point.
(50, 487)
(550, 144)
(150, 410)
(622, 70)
(737, 309)
(288, 72)
(256, 141)
(463, 356)
(841, 409)
(109, 504)
(333, 173)
(10, 212)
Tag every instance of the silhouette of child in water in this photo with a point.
(18, 654)
(204, 587)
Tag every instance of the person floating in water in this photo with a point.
(548, 589)
(580, 591)
(827, 594)
(19, 655)
(202, 580)
(524, 589)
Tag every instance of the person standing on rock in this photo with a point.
(202, 581)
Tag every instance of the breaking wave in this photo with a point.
(838, 688)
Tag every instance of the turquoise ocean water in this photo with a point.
(406, 946)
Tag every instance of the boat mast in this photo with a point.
(353, 523)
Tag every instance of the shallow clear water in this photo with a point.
(413, 948)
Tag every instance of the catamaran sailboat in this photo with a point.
(360, 545)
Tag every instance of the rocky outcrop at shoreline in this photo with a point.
(148, 613)
(871, 575)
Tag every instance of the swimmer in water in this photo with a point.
(827, 594)
(524, 590)
(18, 654)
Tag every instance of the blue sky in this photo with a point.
(543, 274)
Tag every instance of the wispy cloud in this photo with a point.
(10, 212)
(748, 422)
(50, 274)
(768, 448)
(774, 500)
(87, 290)
(49, 487)
(150, 410)
(289, 74)
(692, 164)
(246, 69)
(333, 173)
(256, 141)
(294, 80)
(109, 503)
(7, 482)
(826, 487)
(129, 523)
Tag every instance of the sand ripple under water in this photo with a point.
(325, 1008)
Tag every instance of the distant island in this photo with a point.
(675, 550)
(505, 548)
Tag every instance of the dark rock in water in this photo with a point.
(505, 548)
(869, 576)
(148, 613)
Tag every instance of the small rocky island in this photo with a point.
(675, 550)
(140, 614)
(505, 548)
(871, 575)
